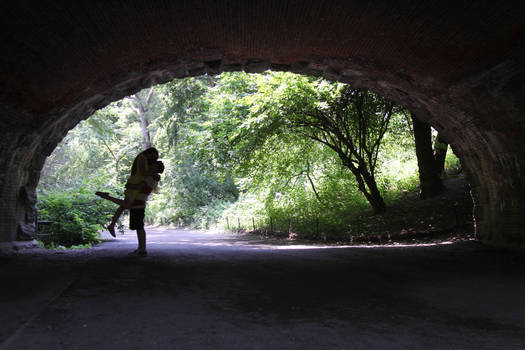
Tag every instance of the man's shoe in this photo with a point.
(138, 253)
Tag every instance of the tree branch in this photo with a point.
(148, 99)
(311, 182)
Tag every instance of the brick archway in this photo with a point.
(458, 67)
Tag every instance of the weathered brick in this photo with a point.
(465, 74)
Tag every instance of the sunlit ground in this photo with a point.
(160, 236)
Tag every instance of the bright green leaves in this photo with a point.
(289, 140)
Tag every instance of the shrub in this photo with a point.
(452, 164)
(76, 215)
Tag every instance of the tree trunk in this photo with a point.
(311, 182)
(440, 153)
(374, 196)
(117, 160)
(146, 140)
(142, 107)
(430, 182)
(367, 185)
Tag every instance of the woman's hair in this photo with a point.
(160, 167)
(159, 170)
(151, 150)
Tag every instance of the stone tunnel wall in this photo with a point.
(459, 66)
(490, 152)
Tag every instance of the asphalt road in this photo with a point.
(200, 290)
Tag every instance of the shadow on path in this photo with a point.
(200, 290)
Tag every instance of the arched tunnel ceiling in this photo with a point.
(459, 65)
(56, 54)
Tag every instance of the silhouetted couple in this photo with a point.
(143, 180)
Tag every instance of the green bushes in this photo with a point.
(76, 215)
(452, 164)
(338, 212)
(237, 156)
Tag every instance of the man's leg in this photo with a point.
(141, 237)
(136, 222)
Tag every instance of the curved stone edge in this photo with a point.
(429, 100)
(9, 248)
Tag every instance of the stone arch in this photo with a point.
(474, 96)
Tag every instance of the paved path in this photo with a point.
(220, 291)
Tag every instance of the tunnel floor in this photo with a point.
(221, 291)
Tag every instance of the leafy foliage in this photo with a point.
(75, 215)
(242, 150)
(348, 121)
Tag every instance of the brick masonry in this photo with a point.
(459, 67)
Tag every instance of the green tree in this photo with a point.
(440, 153)
(198, 177)
(349, 121)
(303, 146)
(429, 166)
